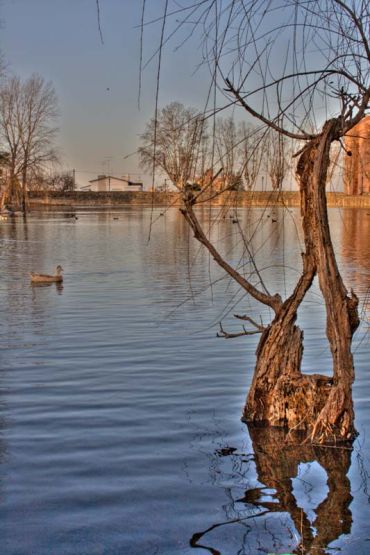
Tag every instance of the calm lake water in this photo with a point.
(120, 427)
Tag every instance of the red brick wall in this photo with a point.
(357, 166)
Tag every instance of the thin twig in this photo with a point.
(250, 320)
(99, 22)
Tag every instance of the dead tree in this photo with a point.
(280, 395)
(27, 112)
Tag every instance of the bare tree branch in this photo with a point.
(260, 327)
(273, 301)
(226, 335)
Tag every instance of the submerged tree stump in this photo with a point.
(280, 394)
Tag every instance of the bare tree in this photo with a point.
(10, 93)
(60, 182)
(252, 142)
(240, 149)
(226, 143)
(27, 114)
(277, 154)
(335, 77)
(172, 144)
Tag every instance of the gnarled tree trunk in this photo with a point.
(336, 417)
(286, 104)
(280, 394)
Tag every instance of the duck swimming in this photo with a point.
(46, 278)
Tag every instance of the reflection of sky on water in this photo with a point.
(122, 408)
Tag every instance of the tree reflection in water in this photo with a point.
(277, 465)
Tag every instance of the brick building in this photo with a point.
(357, 166)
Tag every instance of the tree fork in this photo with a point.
(280, 394)
(336, 419)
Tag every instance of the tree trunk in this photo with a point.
(280, 395)
(336, 417)
(24, 192)
(10, 192)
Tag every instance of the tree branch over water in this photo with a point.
(310, 63)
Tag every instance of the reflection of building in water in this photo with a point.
(355, 236)
(355, 250)
(357, 166)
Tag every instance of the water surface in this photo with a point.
(120, 427)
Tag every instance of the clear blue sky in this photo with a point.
(96, 84)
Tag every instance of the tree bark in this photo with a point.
(280, 394)
(336, 417)
(24, 191)
(12, 190)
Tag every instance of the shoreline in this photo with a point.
(120, 199)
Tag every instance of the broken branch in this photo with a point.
(226, 335)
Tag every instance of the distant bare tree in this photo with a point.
(251, 150)
(10, 93)
(27, 114)
(277, 156)
(44, 181)
(60, 182)
(240, 150)
(226, 143)
(172, 144)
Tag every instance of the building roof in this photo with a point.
(123, 179)
(101, 177)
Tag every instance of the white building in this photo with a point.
(106, 183)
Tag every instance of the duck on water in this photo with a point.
(46, 278)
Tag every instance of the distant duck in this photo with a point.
(46, 278)
(5, 212)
